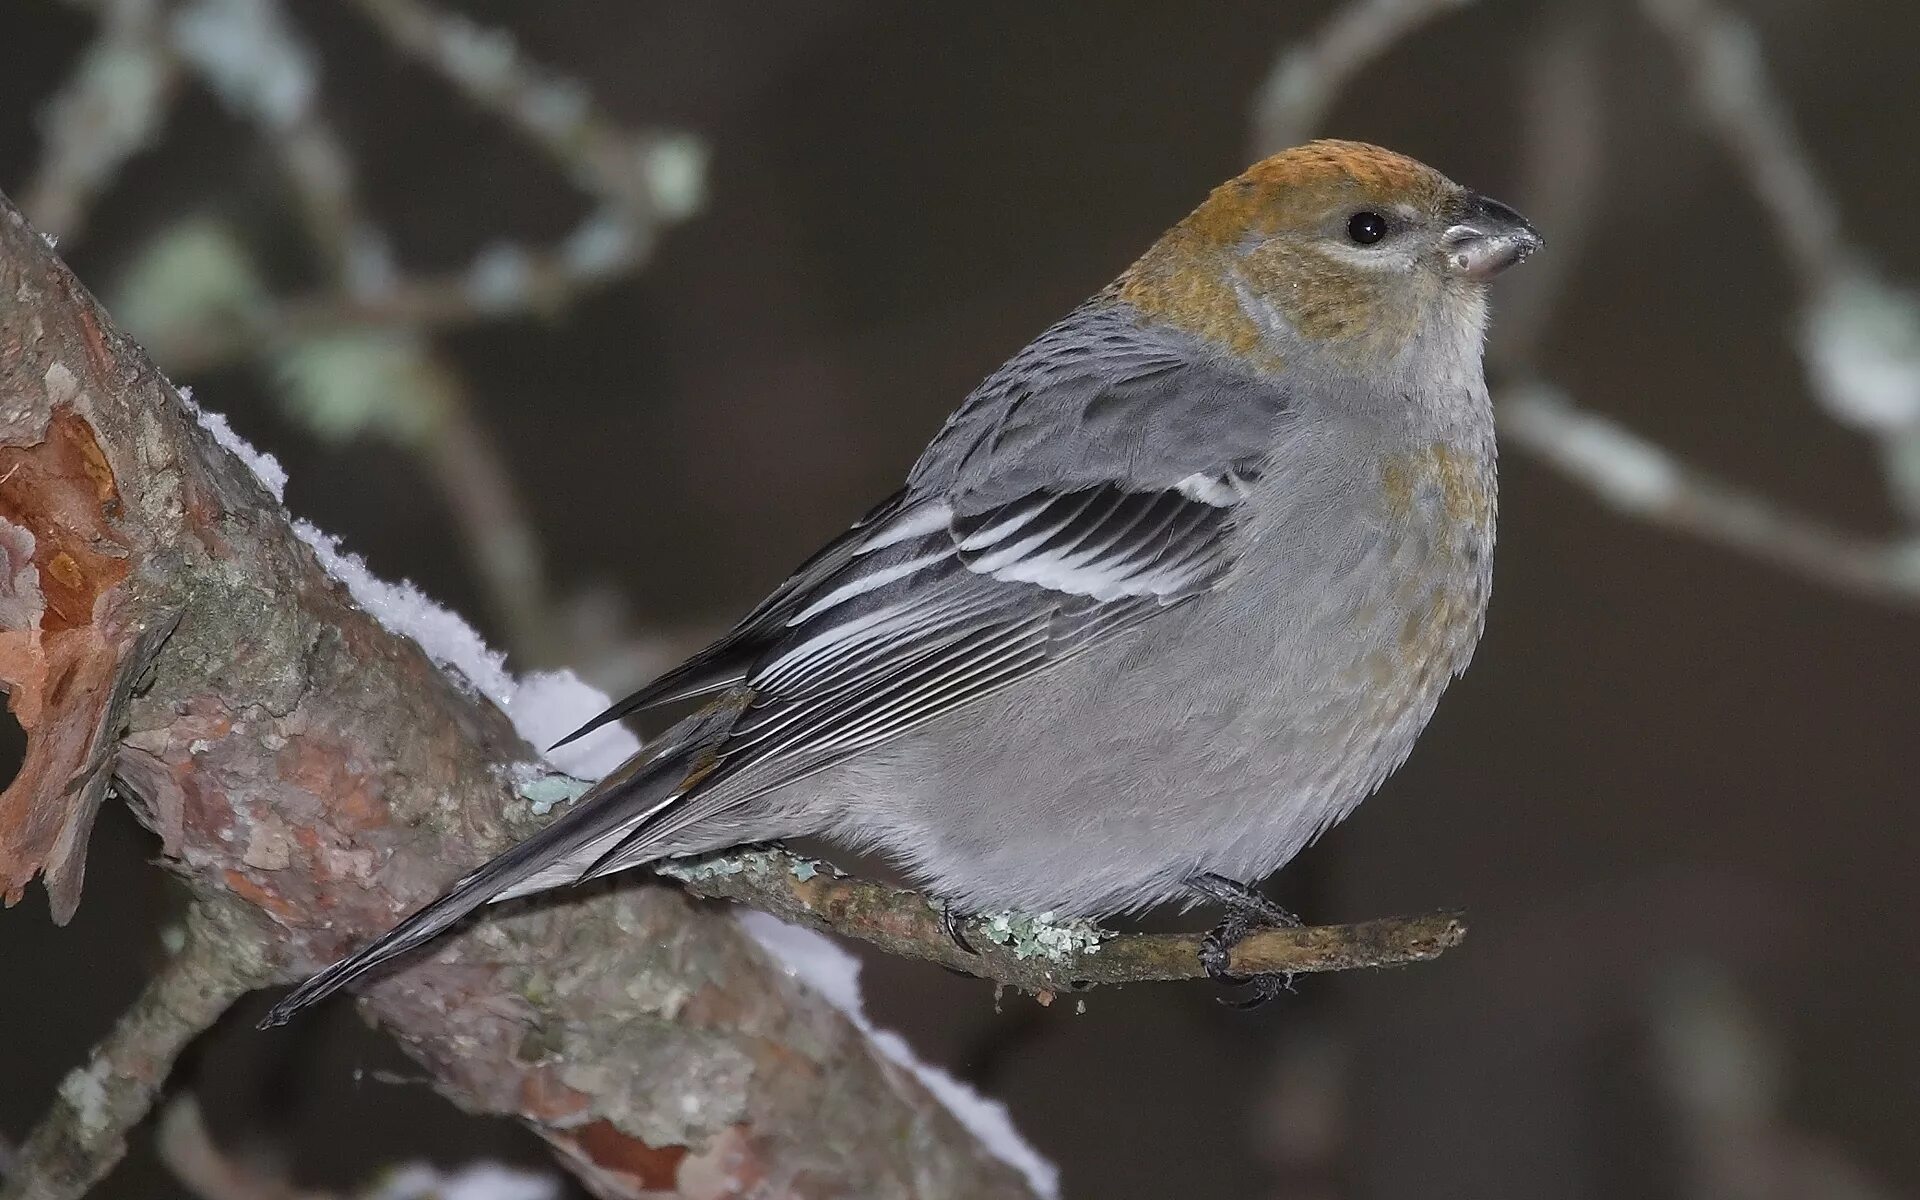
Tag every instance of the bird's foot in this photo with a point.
(1248, 911)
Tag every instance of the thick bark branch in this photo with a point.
(293, 754)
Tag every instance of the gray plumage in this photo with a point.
(1141, 611)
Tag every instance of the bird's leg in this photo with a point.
(1247, 910)
(955, 925)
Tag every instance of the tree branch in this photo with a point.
(294, 755)
(1309, 76)
(85, 1133)
(1642, 479)
(1037, 954)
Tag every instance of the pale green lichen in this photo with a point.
(544, 793)
(1058, 939)
(693, 870)
(739, 862)
(379, 382)
(194, 274)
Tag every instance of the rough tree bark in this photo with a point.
(161, 626)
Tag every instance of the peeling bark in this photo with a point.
(294, 755)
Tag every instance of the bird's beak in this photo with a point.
(1486, 238)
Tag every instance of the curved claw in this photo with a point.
(1265, 989)
(954, 924)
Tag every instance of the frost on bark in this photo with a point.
(163, 633)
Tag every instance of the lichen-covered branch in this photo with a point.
(1644, 480)
(1859, 334)
(1037, 953)
(647, 179)
(85, 1133)
(110, 109)
(641, 183)
(295, 756)
(1722, 56)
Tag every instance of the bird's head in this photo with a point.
(1337, 250)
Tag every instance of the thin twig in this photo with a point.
(1726, 1074)
(85, 1132)
(1629, 473)
(1722, 54)
(644, 176)
(282, 100)
(499, 533)
(1639, 478)
(254, 57)
(505, 281)
(1041, 955)
(1859, 336)
(188, 1150)
(1308, 77)
(108, 110)
(1562, 160)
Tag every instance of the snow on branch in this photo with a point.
(164, 630)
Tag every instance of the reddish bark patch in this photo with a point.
(651, 1168)
(62, 491)
(328, 768)
(259, 896)
(61, 647)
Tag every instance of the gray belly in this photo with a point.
(1222, 736)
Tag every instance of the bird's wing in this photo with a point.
(1011, 554)
(726, 662)
(1095, 402)
(1089, 485)
(932, 609)
(938, 619)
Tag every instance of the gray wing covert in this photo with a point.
(1100, 399)
(1087, 485)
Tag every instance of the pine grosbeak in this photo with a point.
(1172, 591)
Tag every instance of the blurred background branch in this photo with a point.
(217, 959)
(355, 357)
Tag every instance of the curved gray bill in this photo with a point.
(1487, 238)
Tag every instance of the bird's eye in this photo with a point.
(1366, 228)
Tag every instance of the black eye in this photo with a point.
(1367, 228)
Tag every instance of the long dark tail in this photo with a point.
(557, 855)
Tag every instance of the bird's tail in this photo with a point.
(560, 854)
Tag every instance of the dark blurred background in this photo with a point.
(1675, 793)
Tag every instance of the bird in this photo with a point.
(1169, 594)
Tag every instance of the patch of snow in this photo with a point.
(544, 707)
(549, 705)
(822, 965)
(404, 609)
(265, 467)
